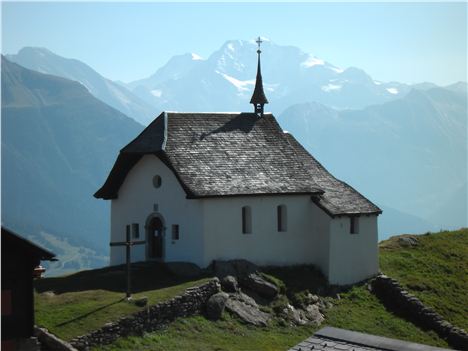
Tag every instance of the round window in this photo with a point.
(156, 181)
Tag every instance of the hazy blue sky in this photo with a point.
(127, 41)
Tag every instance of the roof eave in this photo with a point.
(207, 196)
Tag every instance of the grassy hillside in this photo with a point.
(80, 303)
(434, 270)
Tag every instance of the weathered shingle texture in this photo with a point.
(222, 154)
(336, 339)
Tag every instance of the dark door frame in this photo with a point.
(149, 240)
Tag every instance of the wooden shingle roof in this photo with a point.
(233, 154)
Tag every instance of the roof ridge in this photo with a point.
(213, 113)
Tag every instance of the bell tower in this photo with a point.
(258, 97)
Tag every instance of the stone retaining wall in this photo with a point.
(51, 342)
(395, 297)
(152, 318)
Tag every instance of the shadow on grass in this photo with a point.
(145, 276)
(88, 313)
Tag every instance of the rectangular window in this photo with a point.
(246, 220)
(354, 225)
(281, 215)
(175, 232)
(135, 230)
(128, 229)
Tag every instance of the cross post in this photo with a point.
(128, 243)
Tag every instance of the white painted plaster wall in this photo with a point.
(135, 204)
(212, 228)
(353, 257)
(305, 241)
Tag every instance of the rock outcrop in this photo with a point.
(247, 309)
(215, 305)
(259, 285)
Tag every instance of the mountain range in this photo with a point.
(408, 154)
(58, 143)
(225, 81)
(403, 146)
(113, 94)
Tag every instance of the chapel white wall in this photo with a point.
(212, 228)
(135, 202)
(304, 242)
(353, 257)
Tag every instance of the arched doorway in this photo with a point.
(155, 238)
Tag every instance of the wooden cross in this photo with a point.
(128, 243)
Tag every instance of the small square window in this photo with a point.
(175, 232)
(135, 230)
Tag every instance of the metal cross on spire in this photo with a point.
(259, 42)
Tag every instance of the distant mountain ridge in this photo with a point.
(44, 61)
(58, 144)
(409, 154)
(225, 81)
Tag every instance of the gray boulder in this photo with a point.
(408, 241)
(259, 285)
(246, 309)
(312, 313)
(229, 284)
(296, 316)
(215, 305)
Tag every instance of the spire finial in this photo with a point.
(259, 42)
(258, 97)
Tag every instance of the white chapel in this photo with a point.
(198, 187)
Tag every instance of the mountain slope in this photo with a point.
(225, 81)
(409, 154)
(113, 94)
(58, 144)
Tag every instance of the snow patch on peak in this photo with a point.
(393, 91)
(230, 47)
(156, 92)
(331, 87)
(241, 85)
(312, 61)
(376, 82)
(337, 69)
(196, 57)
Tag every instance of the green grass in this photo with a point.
(436, 271)
(99, 298)
(357, 310)
(199, 334)
(361, 311)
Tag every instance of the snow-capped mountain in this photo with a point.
(113, 94)
(225, 81)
